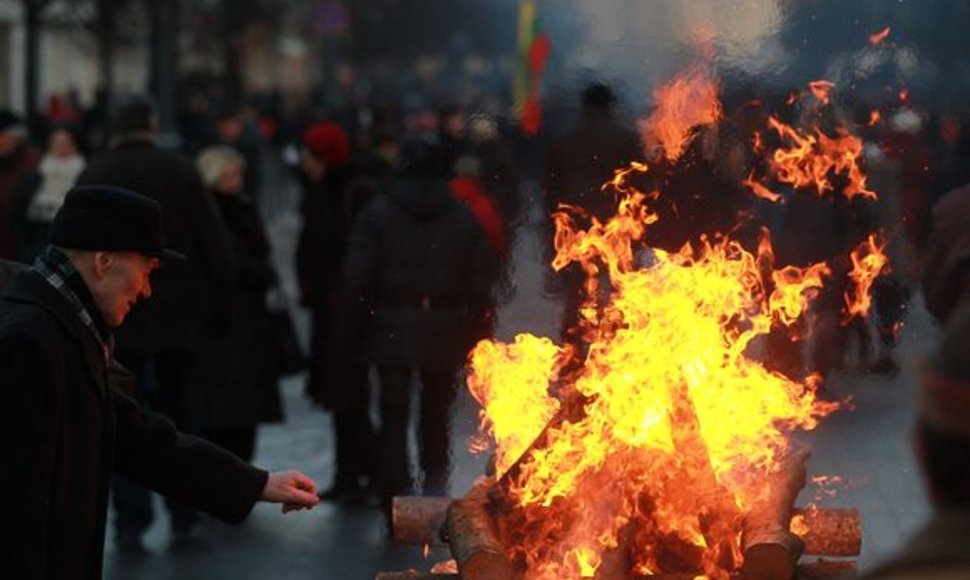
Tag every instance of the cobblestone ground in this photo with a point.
(868, 448)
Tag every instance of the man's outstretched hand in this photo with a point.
(292, 489)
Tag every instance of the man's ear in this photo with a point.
(102, 263)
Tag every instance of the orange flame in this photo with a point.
(809, 159)
(869, 260)
(689, 101)
(821, 89)
(673, 400)
(760, 190)
(878, 37)
(874, 117)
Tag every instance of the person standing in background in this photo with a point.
(163, 339)
(42, 193)
(336, 383)
(239, 386)
(418, 271)
(17, 160)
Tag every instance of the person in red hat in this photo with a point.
(336, 382)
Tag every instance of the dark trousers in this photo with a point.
(438, 391)
(163, 383)
(355, 436)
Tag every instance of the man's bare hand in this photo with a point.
(292, 489)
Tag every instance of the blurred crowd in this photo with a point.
(404, 253)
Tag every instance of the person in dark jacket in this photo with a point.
(239, 382)
(418, 269)
(576, 167)
(17, 161)
(335, 383)
(942, 441)
(163, 339)
(946, 264)
(65, 424)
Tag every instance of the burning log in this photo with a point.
(474, 543)
(419, 520)
(826, 532)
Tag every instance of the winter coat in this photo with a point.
(578, 164)
(322, 243)
(937, 551)
(946, 264)
(65, 426)
(13, 170)
(239, 382)
(418, 274)
(189, 307)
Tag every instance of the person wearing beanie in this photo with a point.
(65, 423)
(164, 338)
(17, 161)
(335, 382)
(941, 550)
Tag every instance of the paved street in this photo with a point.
(867, 447)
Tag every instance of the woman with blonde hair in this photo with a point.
(239, 379)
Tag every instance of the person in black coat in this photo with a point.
(336, 383)
(65, 424)
(417, 274)
(163, 339)
(238, 378)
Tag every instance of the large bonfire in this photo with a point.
(640, 453)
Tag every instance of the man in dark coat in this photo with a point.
(164, 339)
(417, 274)
(942, 548)
(576, 167)
(64, 423)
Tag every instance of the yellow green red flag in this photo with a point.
(533, 51)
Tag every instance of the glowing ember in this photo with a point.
(878, 37)
(874, 118)
(687, 102)
(821, 90)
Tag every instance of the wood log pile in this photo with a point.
(466, 524)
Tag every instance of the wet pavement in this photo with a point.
(868, 448)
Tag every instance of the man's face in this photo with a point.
(122, 280)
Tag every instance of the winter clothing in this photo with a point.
(418, 274)
(578, 164)
(946, 265)
(40, 197)
(328, 142)
(66, 426)
(418, 271)
(238, 380)
(189, 308)
(106, 218)
(14, 169)
(937, 551)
